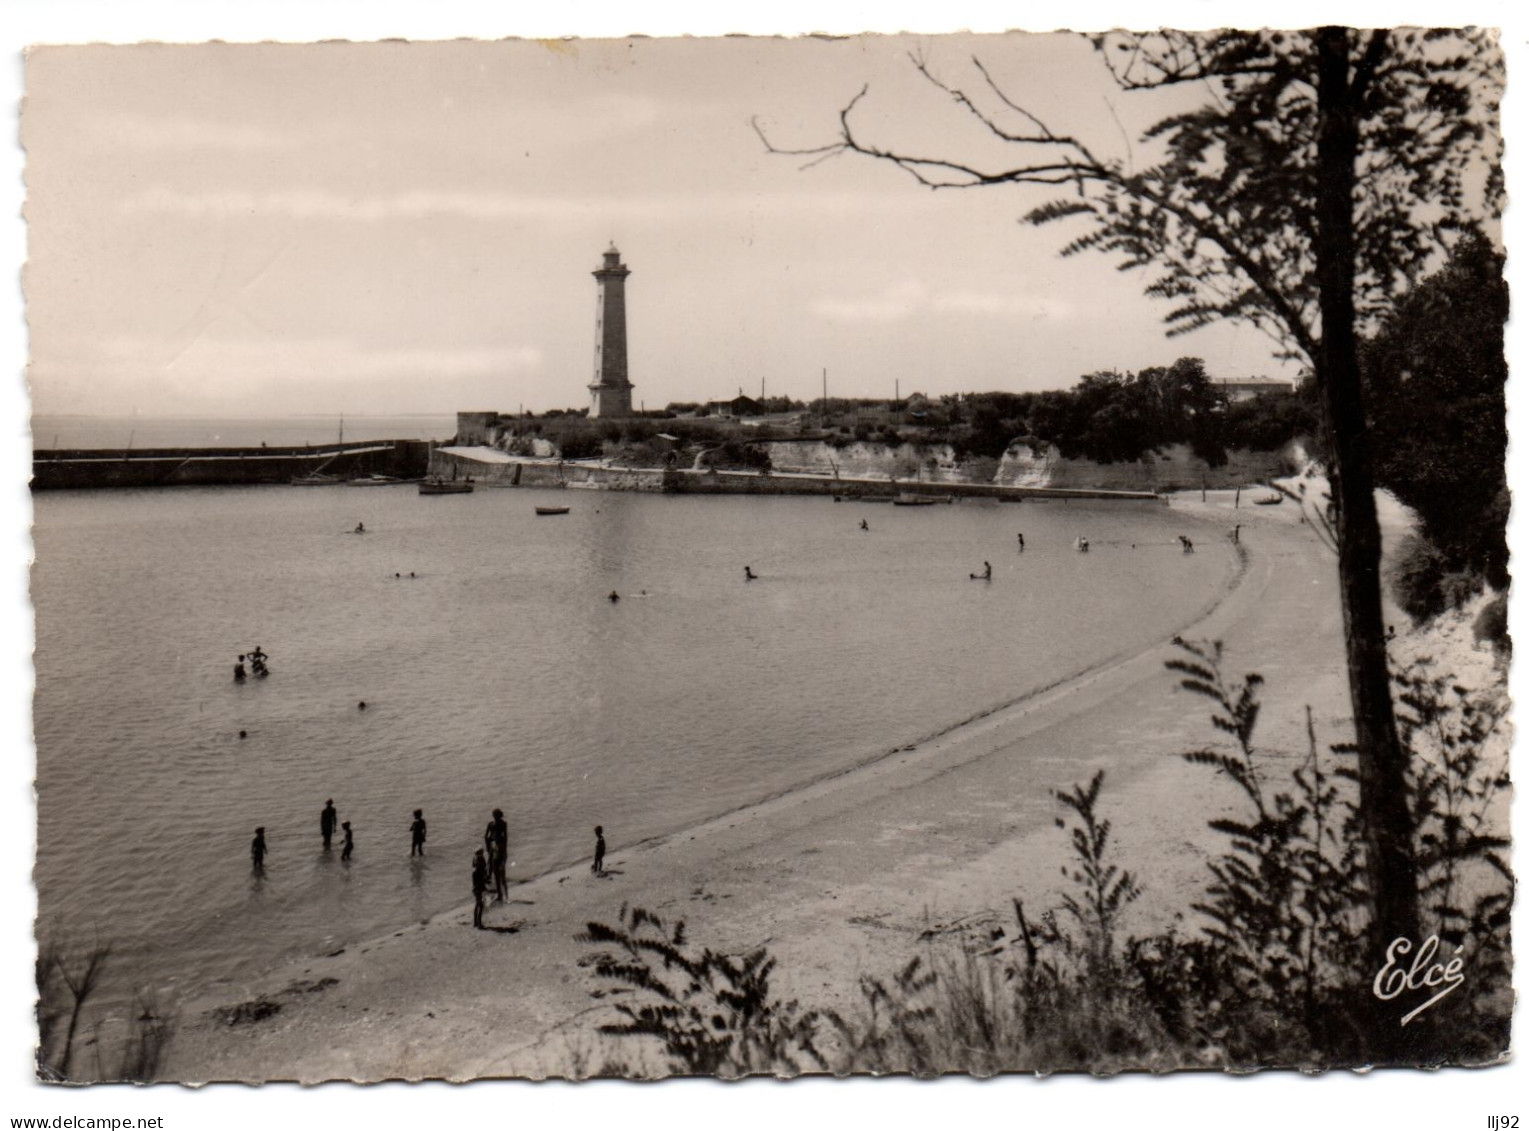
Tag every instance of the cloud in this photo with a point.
(326, 204)
(318, 204)
(910, 298)
(333, 359)
(896, 302)
(1005, 303)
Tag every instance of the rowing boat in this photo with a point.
(446, 487)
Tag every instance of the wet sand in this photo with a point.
(839, 878)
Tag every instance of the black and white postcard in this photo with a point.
(631, 557)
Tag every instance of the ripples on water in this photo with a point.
(501, 675)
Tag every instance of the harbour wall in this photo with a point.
(65, 469)
(492, 470)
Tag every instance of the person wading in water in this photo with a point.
(496, 838)
(326, 822)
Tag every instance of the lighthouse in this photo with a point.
(610, 392)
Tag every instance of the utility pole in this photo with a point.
(825, 396)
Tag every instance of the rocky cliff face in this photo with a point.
(934, 463)
(1174, 468)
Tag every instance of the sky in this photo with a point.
(251, 229)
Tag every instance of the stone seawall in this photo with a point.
(491, 468)
(494, 470)
(208, 467)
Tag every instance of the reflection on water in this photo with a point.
(500, 675)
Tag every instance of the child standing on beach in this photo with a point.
(598, 867)
(350, 841)
(480, 887)
(417, 831)
(257, 849)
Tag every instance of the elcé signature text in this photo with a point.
(1396, 977)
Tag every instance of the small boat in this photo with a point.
(446, 487)
(316, 480)
(551, 510)
(1269, 500)
(918, 500)
(374, 481)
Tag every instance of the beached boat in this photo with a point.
(906, 500)
(377, 481)
(551, 510)
(316, 480)
(446, 487)
(1270, 499)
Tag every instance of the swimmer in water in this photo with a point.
(749, 574)
(360, 528)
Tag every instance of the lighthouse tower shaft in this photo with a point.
(611, 391)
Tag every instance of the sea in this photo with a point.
(496, 671)
(124, 433)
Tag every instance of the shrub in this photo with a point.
(713, 1014)
(1423, 580)
(1276, 972)
(1491, 624)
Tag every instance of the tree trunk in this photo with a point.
(1382, 761)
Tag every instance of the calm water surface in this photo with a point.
(501, 675)
(232, 432)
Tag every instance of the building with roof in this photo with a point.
(1246, 388)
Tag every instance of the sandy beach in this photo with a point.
(840, 878)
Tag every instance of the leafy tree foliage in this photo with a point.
(1113, 417)
(1435, 374)
(1318, 177)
